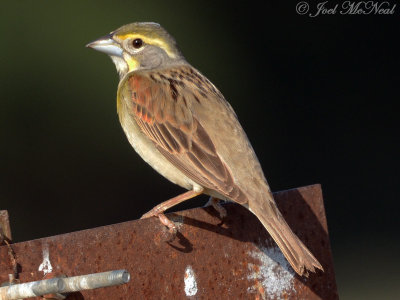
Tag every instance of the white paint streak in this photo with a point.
(190, 282)
(273, 273)
(46, 266)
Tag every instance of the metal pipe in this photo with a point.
(63, 285)
(31, 289)
(94, 281)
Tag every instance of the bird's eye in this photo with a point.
(137, 43)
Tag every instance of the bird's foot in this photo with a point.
(165, 221)
(158, 211)
(169, 224)
(216, 204)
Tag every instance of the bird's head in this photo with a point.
(137, 46)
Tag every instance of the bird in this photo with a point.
(182, 126)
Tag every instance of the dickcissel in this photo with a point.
(183, 127)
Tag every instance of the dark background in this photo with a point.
(316, 97)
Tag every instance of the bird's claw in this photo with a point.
(165, 221)
(215, 203)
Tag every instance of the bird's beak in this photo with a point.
(107, 45)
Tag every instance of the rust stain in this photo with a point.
(223, 256)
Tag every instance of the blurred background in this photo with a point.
(316, 97)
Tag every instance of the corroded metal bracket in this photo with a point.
(5, 230)
(235, 259)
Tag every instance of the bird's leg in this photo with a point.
(158, 211)
(215, 202)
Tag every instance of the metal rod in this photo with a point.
(94, 281)
(64, 285)
(31, 289)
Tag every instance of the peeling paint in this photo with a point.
(45, 266)
(190, 282)
(273, 276)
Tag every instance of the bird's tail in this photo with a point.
(297, 254)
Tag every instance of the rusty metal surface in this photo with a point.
(207, 260)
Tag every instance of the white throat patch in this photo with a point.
(120, 64)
